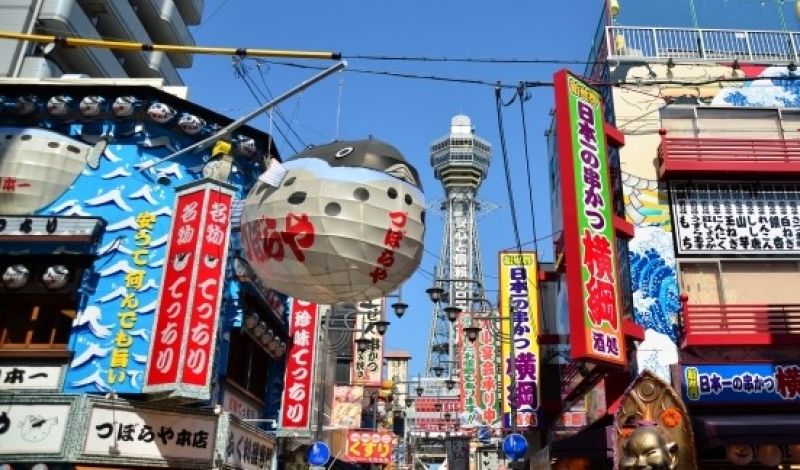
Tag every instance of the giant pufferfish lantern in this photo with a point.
(346, 223)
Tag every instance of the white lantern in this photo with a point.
(345, 224)
(769, 455)
(16, 276)
(739, 454)
(55, 277)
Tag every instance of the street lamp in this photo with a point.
(447, 416)
(409, 402)
(382, 326)
(437, 406)
(435, 293)
(438, 370)
(450, 384)
(362, 343)
(452, 313)
(420, 390)
(400, 309)
(472, 333)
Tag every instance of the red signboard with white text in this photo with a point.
(300, 367)
(184, 337)
(369, 446)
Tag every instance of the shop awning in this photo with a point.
(717, 430)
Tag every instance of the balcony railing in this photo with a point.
(690, 156)
(626, 42)
(741, 325)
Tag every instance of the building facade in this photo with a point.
(132, 331)
(141, 21)
(705, 96)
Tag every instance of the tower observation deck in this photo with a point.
(460, 160)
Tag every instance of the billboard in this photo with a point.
(368, 365)
(346, 408)
(481, 387)
(300, 367)
(589, 241)
(519, 297)
(369, 446)
(762, 383)
(184, 338)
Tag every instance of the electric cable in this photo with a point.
(506, 166)
(524, 96)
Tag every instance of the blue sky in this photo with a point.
(408, 113)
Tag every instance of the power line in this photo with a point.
(523, 96)
(506, 166)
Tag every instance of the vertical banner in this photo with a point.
(490, 387)
(300, 367)
(368, 365)
(184, 337)
(589, 241)
(519, 298)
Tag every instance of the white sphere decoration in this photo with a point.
(769, 454)
(16, 276)
(55, 277)
(345, 224)
(739, 454)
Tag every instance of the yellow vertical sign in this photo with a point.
(519, 300)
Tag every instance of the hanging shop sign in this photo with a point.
(368, 365)
(29, 377)
(33, 428)
(762, 383)
(368, 446)
(300, 367)
(347, 407)
(519, 298)
(429, 413)
(346, 223)
(589, 241)
(122, 432)
(184, 338)
(736, 217)
(247, 448)
(481, 387)
(238, 405)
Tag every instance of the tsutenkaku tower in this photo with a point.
(460, 161)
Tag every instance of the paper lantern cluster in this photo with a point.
(346, 223)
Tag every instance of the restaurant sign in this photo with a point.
(762, 383)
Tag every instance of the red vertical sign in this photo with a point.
(208, 278)
(300, 366)
(186, 320)
(173, 302)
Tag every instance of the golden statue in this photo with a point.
(647, 449)
(653, 428)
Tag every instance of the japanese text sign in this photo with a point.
(248, 449)
(367, 446)
(185, 331)
(736, 217)
(741, 383)
(519, 298)
(368, 365)
(481, 387)
(589, 241)
(150, 434)
(300, 366)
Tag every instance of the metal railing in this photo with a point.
(686, 154)
(628, 42)
(742, 324)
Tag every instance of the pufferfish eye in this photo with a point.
(401, 171)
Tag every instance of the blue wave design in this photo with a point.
(654, 279)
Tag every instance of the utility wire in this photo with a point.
(506, 166)
(523, 96)
(278, 110)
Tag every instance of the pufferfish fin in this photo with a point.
(401, 171)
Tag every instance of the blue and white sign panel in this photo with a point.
(741, 383)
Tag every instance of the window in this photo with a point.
(248, 365)
(741, 282)
(34, 327)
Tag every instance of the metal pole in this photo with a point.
(227, 130)
(323, 385)
(170, 48)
